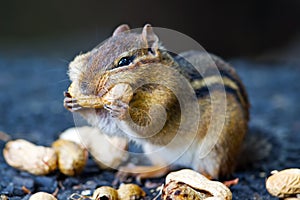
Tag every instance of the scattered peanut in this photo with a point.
(130, 192)
(284, 183)
(188, 184)
(42, 196)
(175, 190)
(26, 156)
(105, 192)
(71, 156)
(3, 197)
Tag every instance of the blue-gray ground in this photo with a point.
(31, 95)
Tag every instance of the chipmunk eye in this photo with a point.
(125, 61)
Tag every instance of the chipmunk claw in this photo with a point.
(70, 103)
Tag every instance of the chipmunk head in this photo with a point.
(123, 52)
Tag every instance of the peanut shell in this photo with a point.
(284, 183)
(42, 196)
(71, 156)
(120, 91)
(189, 183)
(130, 192)
(29, 157)
(106, 192)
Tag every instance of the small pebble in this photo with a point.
(46, 183)
(27, 182)
(86, 192)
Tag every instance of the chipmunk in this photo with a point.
(155, 76)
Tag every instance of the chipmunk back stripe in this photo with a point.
(209, 84)
(226, 72)
(242, 90)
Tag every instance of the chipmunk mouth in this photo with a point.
(76, 101)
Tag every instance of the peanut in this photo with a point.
(284, 183)
(188, 184)
(29, 157)
(42, 196)
(130, 192)
(106, 192)
(71, 157)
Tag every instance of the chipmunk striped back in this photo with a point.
(206, 78)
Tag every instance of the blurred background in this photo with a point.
(254, 28)
(39, 38)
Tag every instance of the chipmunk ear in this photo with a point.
(150, 37)
(120, 29)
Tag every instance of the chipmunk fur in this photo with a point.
(137, 58)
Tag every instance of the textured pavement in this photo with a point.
(31, 95)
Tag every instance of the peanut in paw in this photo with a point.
(121, 91)
(24, 155)
(74, 99)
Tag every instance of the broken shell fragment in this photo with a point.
(284, 183)
(105, 192)
(76, 196)
(71, 156)
(24, 155)
(189, 184)
(130, 192)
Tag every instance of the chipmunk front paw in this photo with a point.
(117, 108)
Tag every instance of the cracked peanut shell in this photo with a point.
(105, 192)
(189, 184)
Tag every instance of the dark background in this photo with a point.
(227, 28)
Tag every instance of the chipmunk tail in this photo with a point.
(256, 150)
